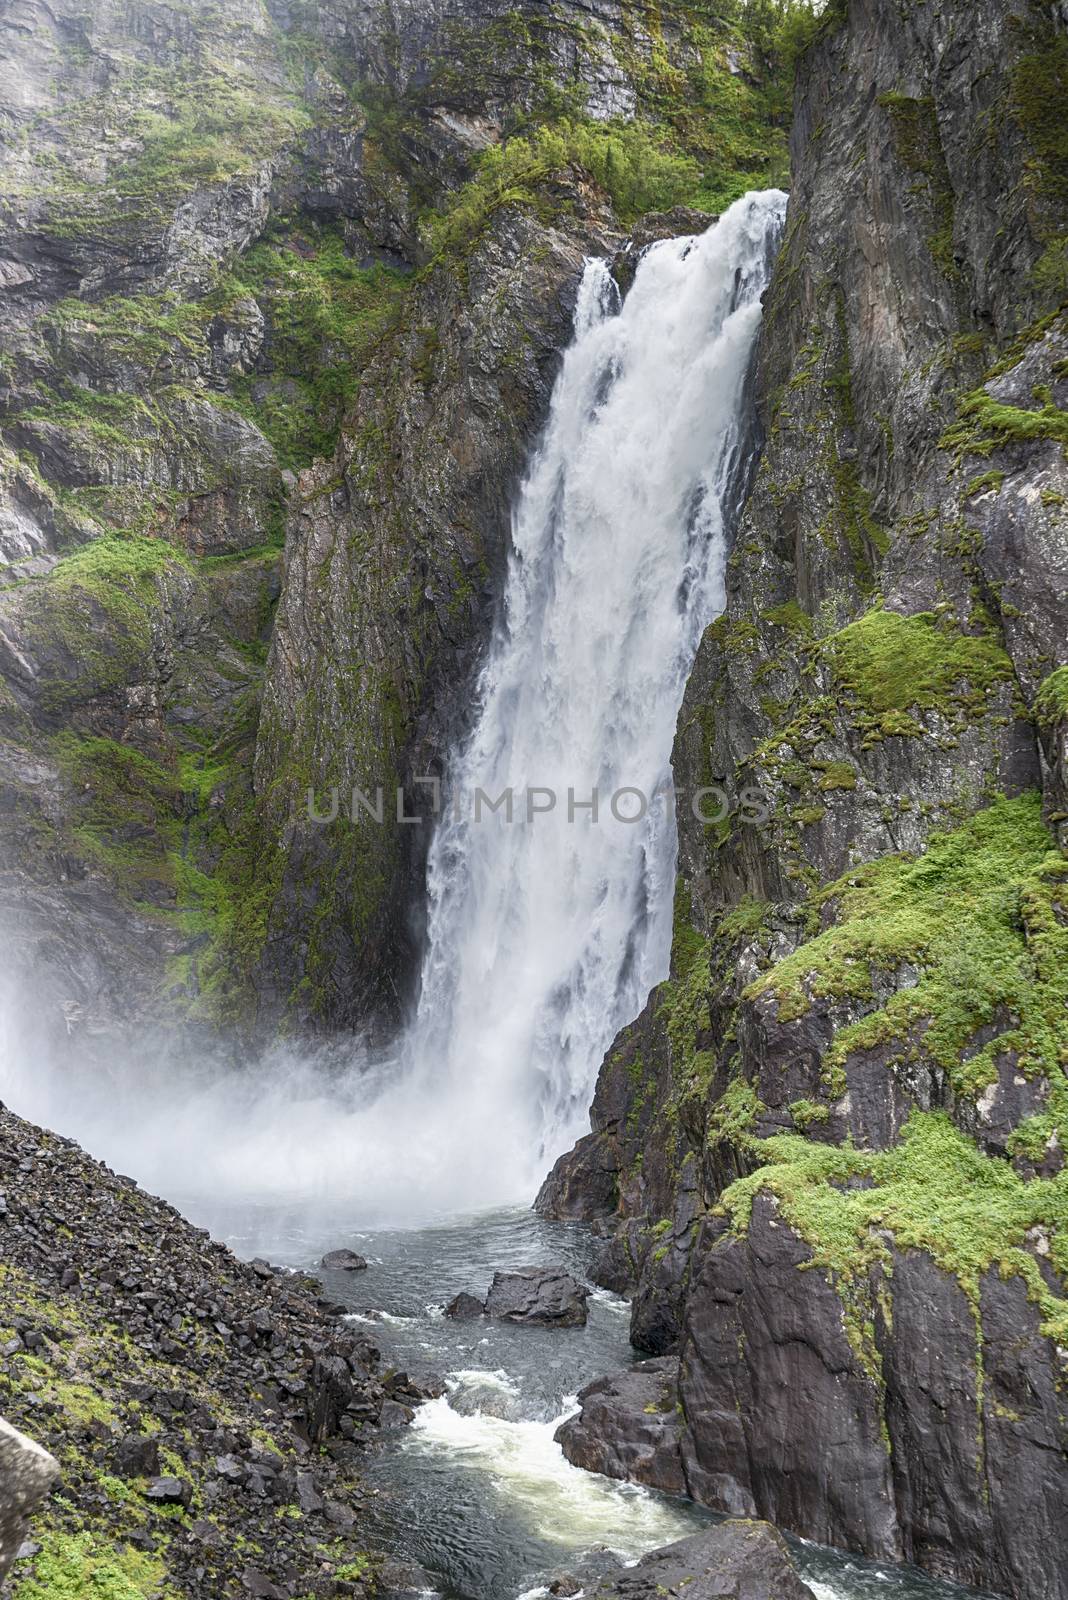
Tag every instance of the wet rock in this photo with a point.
(548, 1296)
(629, 1427)
(399, 1580)
(740, 1560)
(343, 1261)
(465, 1307)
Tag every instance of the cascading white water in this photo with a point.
(547, 930)
(546, 935)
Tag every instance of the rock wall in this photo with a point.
(829, 1155)
(284, 290)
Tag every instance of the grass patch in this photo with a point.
(79, 1566)
(983, 916)
(891, 663)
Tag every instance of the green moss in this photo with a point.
(893, 664)
(934, 1191)
(985, 425)
(81, 1567)
(985, 483)
(744, 920)
(1051, 702)
(791, 617)
(979, 917)
(837, 775)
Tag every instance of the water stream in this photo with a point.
(476, 1491)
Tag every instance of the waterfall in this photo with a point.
(548, 928)
(545, 934)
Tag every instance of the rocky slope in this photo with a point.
(284, 290)
(209, 1418)
(830, 1152)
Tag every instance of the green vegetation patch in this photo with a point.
(631, 160)
(934, 1191)
(1039, 94)
(80, 1566)
(1051, 702)
(984, 425)
(326, 316)
(93, 613)
(891, 663)
(983, 918)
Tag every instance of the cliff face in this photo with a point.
(284, 289)
(830, 1152)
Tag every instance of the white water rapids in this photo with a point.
(545, 935)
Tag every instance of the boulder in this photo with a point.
(629, 1427)
(548, 1296)
(136, 1456)
(168, 1491)
(736, 1561)
(343, 1261)
(465, 1307)
(26, 1474)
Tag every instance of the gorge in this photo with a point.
(395, 397)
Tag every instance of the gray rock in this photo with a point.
(27, 1473)
(344, 1261)
(545, 1295)
(630, 1427)
(736, 1561)
(465, 1307)
(168, 1491)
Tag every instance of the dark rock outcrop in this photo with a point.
(629, 1427)
(737, 1561)
(548, 1296)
